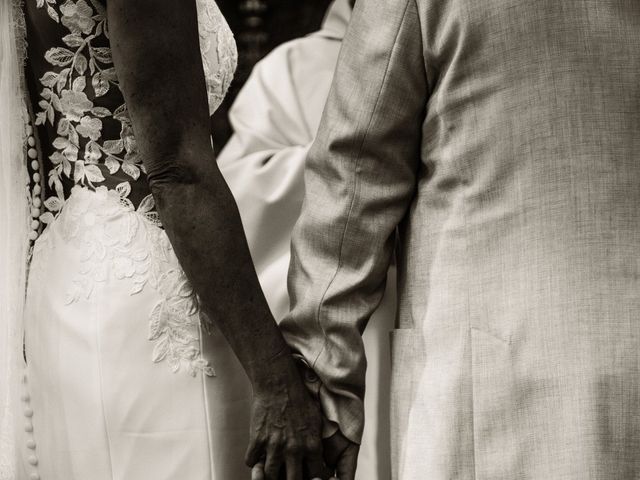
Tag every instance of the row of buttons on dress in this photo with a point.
(34, 191)
(34, 187)
(32, 459)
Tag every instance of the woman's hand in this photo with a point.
(286, 425)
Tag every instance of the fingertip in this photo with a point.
(257, 472)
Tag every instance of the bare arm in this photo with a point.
(157, 56)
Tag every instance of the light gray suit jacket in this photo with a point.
(501, 139)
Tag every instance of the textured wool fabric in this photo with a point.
(502, 140)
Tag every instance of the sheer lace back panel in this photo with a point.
(86, 134)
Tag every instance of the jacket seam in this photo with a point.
(357, 185)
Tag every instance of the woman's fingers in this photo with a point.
(294, 466)
(255, 453)
(275, 459)
(268, 459)
(316, 470)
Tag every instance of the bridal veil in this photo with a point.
(13, 226)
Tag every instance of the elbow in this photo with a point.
(170, 174)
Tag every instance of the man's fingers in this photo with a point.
(257, 472)
(334, 447)
(294, 467)
(347, 463)
(274, 461)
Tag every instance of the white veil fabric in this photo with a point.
(13, 227)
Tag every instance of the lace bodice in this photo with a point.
(88, 181)
(85, 130)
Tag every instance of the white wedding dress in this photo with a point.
(121, 381)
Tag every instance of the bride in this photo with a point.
(142, 306)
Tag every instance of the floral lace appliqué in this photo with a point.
(82, 72)
(116, 242)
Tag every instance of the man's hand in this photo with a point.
(341, 455)
(286, 426)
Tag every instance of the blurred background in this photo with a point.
(259, 26)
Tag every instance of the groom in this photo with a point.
(498, 141)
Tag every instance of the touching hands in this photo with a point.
(286, 427)
(341, 455)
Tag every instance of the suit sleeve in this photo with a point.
(360, 181)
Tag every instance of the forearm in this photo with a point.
(156, 53)
(204, 227)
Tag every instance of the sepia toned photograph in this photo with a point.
(319, 240)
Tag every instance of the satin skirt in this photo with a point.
(121, 381)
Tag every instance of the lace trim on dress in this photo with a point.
(219, 52)
(20, 29)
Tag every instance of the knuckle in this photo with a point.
(275, 443)
(313, 444)
(294, 447)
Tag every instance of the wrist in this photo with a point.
(273, 374)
